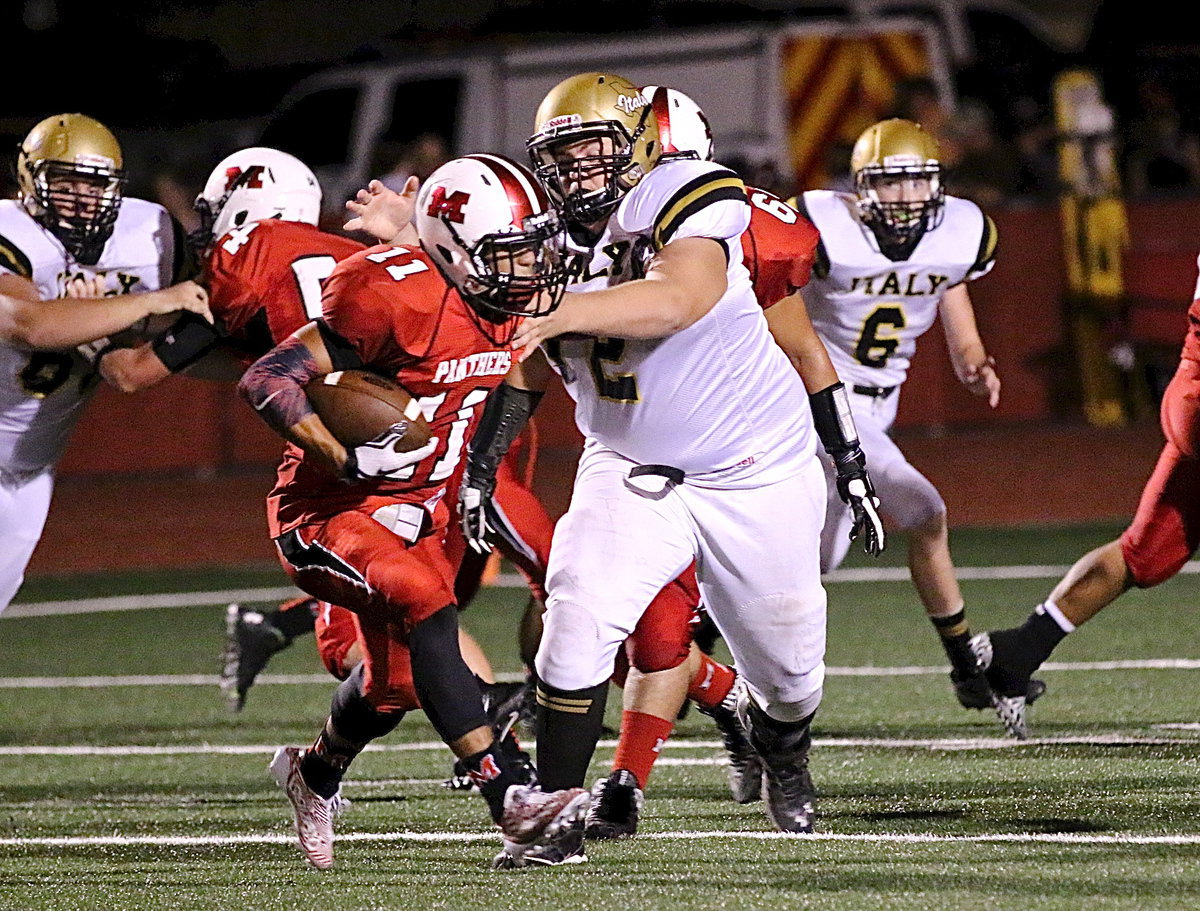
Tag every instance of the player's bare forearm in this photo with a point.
(29, 322)
(973, 366)
(794, 333)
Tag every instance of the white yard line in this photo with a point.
(916, 670)
(280, 838)
(894, 743)
(504, 580)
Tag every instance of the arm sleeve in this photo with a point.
(188, 340)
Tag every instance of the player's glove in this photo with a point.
(474, 495)
(856, 490)
(378, 458)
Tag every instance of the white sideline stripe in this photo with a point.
(901, 743)
(504, 580)
(1069, 838)
(916, 670)
(146, 602)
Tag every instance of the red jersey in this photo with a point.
(397, 313)
(264, 279)
(778, 248)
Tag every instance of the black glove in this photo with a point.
(856, 490)
(474, 495)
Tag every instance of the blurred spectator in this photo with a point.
(980, 166)
(1036, 144)
(421, 157)
(1161, 154)
(916, 98)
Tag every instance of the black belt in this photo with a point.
(875, 392)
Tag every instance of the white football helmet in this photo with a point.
(682, 127)
(490, 227)
(255, 184)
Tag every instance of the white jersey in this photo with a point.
(718, 400)
(43, 392)
(868, 309)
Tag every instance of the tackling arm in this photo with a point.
(27, 321)
(683, 282)
(974, 367)
(794, 333)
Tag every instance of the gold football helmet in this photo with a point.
(891, 152)
(614, 112)
(70, 177)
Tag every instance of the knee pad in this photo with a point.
(354, 718)
(574, 653)
(781, 652)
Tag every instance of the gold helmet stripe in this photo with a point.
(987, 244)
(12, 259)
(715, 186)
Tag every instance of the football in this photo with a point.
(358, 406)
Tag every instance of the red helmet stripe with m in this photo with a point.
(661, 106)
(525, 197)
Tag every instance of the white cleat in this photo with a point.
(314, 813)
(541, 828)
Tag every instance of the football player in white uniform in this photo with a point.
(71, 229)
(699, 441)
(893, 256)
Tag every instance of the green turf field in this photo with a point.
(136, 789)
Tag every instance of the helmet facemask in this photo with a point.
(899, 224)
(515, 273)
(78, 203)
(563, 173)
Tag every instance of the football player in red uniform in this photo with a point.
(363, 527)
(264, 262)
(1163, 536)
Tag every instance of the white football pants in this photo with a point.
(756, 551)
(23, 509)
(906, 496)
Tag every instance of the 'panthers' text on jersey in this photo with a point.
(399, 318)
(43, 392)
(868, 309)
(718, 400)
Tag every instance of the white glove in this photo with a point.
(378, 458)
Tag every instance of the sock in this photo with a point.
(295, 618)
(325, 762)
(711, 684)
(642, 736)
(493, 773)
(569, 723)
(1017, 653)
(955, 634)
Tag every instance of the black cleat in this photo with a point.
(250, 641)
(616, 802)
(1012, 691)
(745, 767)
(790, 795)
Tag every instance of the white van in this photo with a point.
(754, 83)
